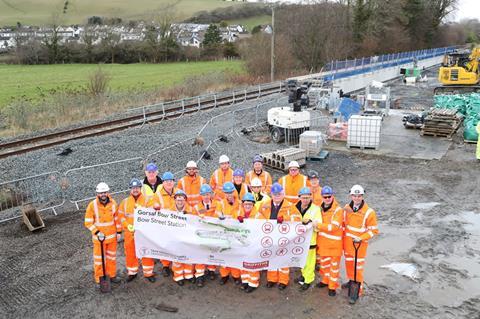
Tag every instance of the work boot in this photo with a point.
(300, 280)
(181, 282)
(282, 286)
(115, 280)
(352, 300)
(332, 292)
(166, 272)
(192, 280)
(200, 281)
(212, 275)
(244, 286)
(152, 279)
(237, 281)
(270, 284)
(321, 285)
(346, 285)
(131, 277)
(304, 287)
(249, 289)
(223, 280)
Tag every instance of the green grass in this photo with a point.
(40, 11)
(31, 81)
(252, 22)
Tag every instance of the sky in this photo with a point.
(467, 9)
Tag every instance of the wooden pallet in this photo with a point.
(363, 147)
(436, 134)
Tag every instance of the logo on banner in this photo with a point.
(283, 242)
(266, 253)
(297, 250)
(282, 251)
(300, 229)
(284, 228)
(259, 265)
(267, 227)
(299, 240)
(267, 242)
(144, 251)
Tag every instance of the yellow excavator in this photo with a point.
(459, 73)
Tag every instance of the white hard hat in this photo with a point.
(293, 164)
(191, 164)
(256, 182)
(223, 159)
(357, 190)
(102, 188)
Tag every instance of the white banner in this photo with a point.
(254, 244)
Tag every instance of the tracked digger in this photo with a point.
(459, 73)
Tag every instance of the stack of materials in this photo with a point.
(441, 123)
(311, 142)
(280, 158)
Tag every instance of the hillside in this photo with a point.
(39, 12)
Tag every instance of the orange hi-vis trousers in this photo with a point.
(110, 257)
(252, 278)
(131, 259)
(350, 265)
(330, 270)
(281, 275)
(182, 271)
(200, 269)
(225, 271)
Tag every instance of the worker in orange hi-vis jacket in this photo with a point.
(330, 241)
(164, 199)
(207, 207)
(314, 180)
(360, 226)
(250, 279)
(258, 172)
(126, 211)
(293, 182)
(228, 208)
(182, 271)
(191, 183)
(241, 188)
(102, 221)
(281, 210)
(220, 176)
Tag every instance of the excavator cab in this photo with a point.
(459, 73)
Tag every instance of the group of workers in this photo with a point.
(338, 231)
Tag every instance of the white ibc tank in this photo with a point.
(364, 131)
(311, 142)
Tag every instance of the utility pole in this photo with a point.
(272, 53)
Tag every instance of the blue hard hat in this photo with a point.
(180, 193)
(239, 172)
(228, 187)
(248, 197)
(151, 167)
(276, 188)
(168, 176)
(205, 189)
(135, 182)
(304, 191)
(258, 158)
(327, 190)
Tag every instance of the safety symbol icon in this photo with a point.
(267, 241)
(284, 228)
(297, 250)
(282, 251)
(267, 228)
(266, 253)
(283, 242)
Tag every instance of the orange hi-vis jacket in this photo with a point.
(363, 224)
(103, 218)
(191, 186)
(127, 208)
(264, 177)
(228, 210)
(330, 232)
(243, 191)
(287, 211)
(252, 215)
(218, 179)
(201, 209)
(165, 199)
(292, 186)
(317, 195)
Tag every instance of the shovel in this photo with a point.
(354, 289)
(105, 285)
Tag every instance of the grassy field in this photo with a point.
(34, 81)
(40, 11)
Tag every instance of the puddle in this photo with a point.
(473, 221)
(429, 205)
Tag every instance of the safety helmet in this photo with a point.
(293, 164)
(256, 182)
(228, 187)
(135, 182)
(180, 193)
(205, 189)
(151, 167)
(258, 158)
(357, 190)
(276, 188)
(312, 174)
(223, 159)
(102, 188)
(238, 172)
(304, 191)
(191, 164)
(327, 190)
(168, 176)
(248, 197)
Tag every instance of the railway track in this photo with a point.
(167, 112)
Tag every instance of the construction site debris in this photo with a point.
(441, 123)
